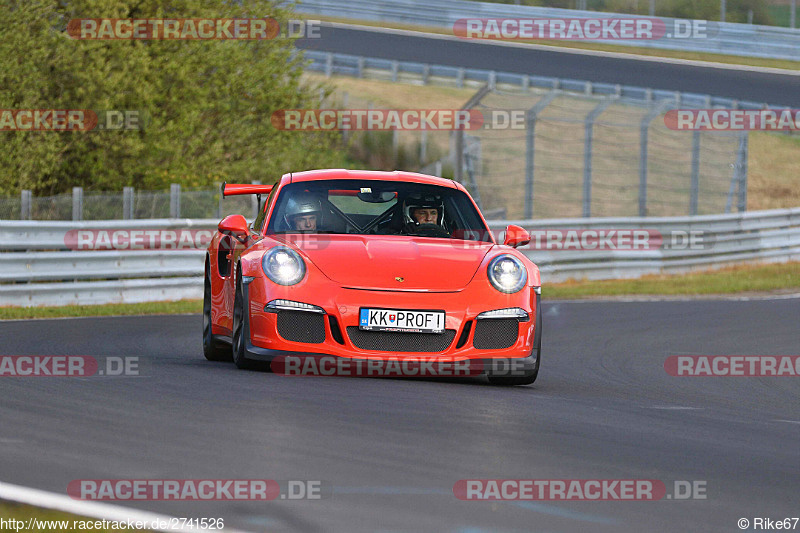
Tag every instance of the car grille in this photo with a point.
(301, 326)
(391, 341)
(495, 333)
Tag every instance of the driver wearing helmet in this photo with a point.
(303, 212)
(424, 213)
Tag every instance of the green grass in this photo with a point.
(636, 50)
(149, 308)
(9, 510)
(732, 280)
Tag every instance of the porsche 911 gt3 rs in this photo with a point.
(364, 266)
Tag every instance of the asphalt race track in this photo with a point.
(390, 450)
(772, 88)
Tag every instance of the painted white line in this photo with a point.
(788, 421)
(102, 511)
(675, 408)
(577, 51)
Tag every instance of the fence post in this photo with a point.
(644, 130)
(395, 68)
(474, 100)
(423, 147)
(77, 203)
(174, 200)
(395, 144)
(26, 200)
(530, 149)
(328, 65)
(345, 131)
(587, 155)
(127, 203)
(218, 186)
(695, 187)
(254, 200)
(742, 168)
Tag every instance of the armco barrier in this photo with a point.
(37, 268)
(730, 38)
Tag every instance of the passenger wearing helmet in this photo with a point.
(303, 212)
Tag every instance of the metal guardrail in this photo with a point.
(37, 269)
(730, 38)
(331, 63)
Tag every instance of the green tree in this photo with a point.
(207, 103)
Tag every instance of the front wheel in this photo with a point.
(528, 377)
(239, 331)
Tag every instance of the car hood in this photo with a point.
(381, 262)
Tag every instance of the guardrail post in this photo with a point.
(127, 203)
(174, 200)
(460, 78)
(360, 67)
(695, 187)
(395, 69)
(25, 201)
(742, 168)
(77, 203)
(526, 83)
(492, 81)
(587, 155)
(530, 149)
(426, 73)
(328, 65)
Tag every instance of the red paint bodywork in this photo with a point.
(346, 272)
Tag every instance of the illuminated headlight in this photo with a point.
(507, 273)
(283, 265)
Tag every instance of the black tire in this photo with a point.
(237, 338)
(530, 377)
(212, 349)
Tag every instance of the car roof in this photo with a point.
(343, 174)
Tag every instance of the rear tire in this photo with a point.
(212, 349)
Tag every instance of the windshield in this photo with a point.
(371, 207)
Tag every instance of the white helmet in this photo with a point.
(302, 204)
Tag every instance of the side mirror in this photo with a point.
(516, 236)
(235, 226)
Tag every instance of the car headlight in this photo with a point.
(507, 273)
(283, 265)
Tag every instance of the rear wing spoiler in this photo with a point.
(234, 189)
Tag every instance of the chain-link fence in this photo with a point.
(568, 155)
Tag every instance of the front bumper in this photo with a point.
(339, 337)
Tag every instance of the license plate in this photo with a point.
(372, 319)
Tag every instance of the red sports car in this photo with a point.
(360, 266)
